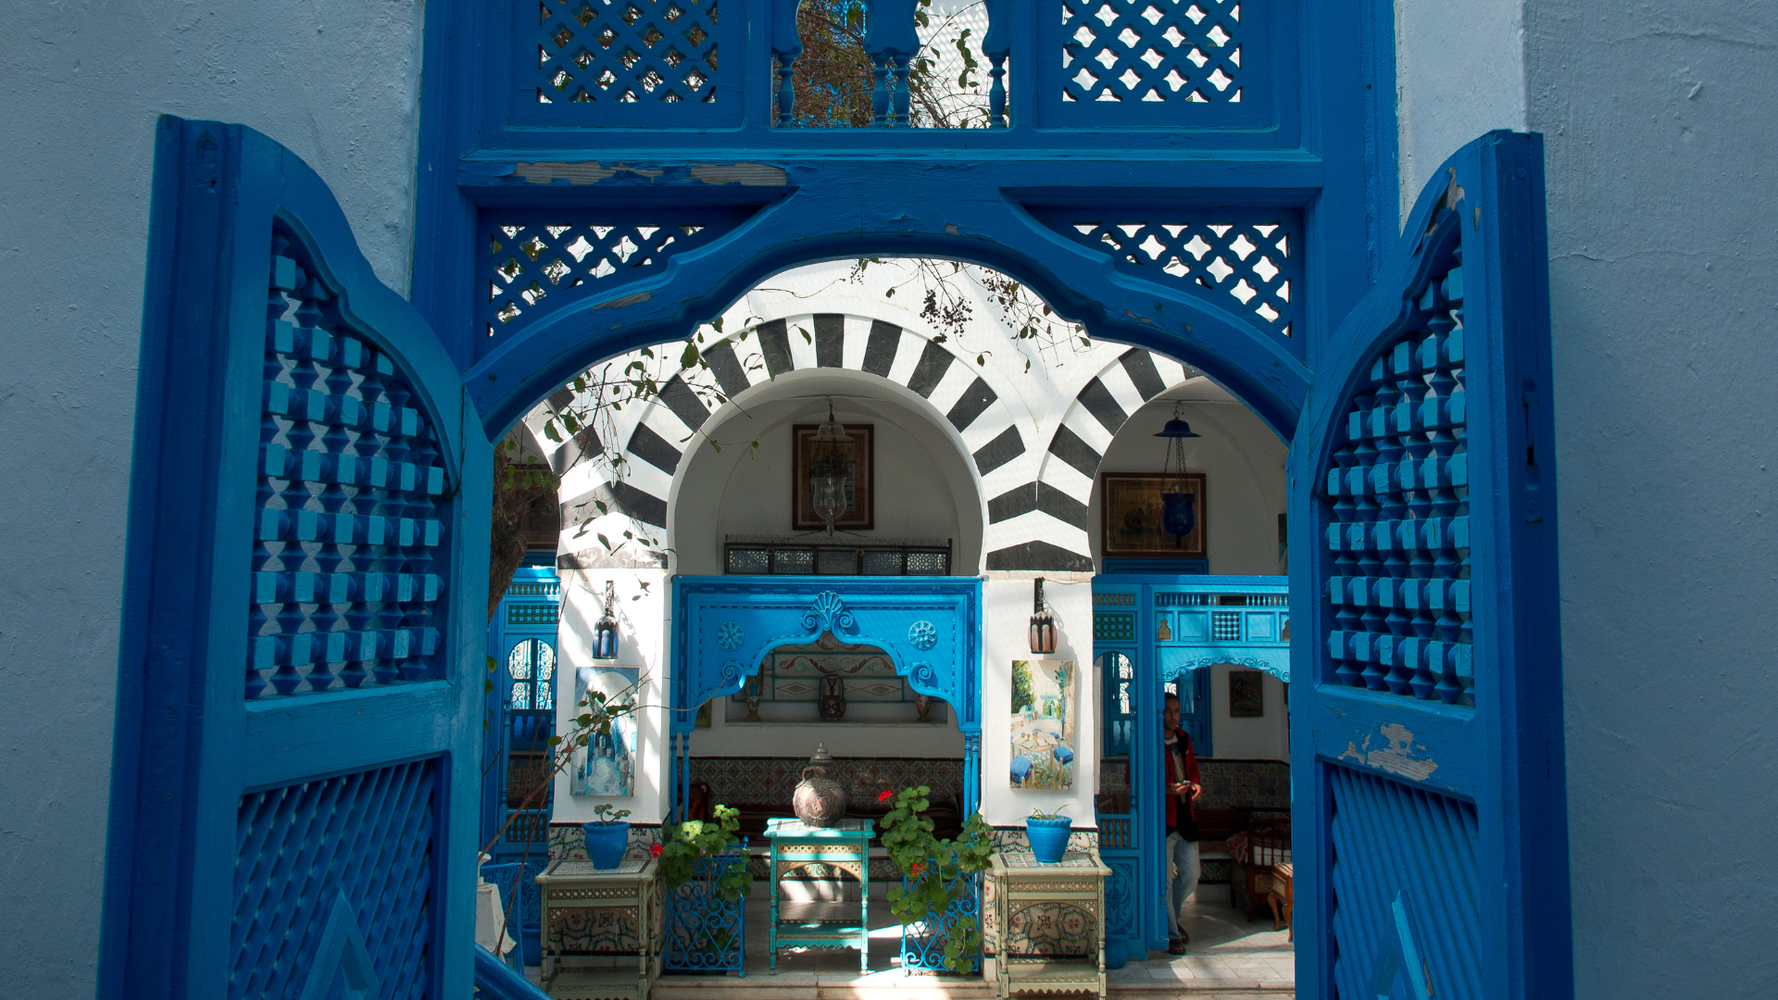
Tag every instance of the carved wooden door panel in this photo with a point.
(295, 781)
(1426, 732)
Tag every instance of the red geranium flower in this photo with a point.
(918, 868)
(885, 795)
(655, 849)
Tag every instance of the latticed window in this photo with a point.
(531, 668)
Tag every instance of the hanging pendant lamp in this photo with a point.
(830, 470)
(1178, 507)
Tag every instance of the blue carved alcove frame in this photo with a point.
(723, 626)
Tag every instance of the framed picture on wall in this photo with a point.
(1130, 517)
(861, 514)
(1247, 694)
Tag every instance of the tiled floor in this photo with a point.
(1226, 952)
(1229, 958)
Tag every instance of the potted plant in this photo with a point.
(703, 875)
(607, 837)
(938, 875)
(1048, 833)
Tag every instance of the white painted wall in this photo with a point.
(1264, 738)
(925, 486)
(1243, 466)
(80, 86)
(1664, 291)
(1460, 71)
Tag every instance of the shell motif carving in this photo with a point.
(922, 635)
(827, 614)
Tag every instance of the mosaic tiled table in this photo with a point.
(1076, 883)
(845, 846)
(577, 885)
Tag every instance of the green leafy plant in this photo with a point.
(939, 872)
(607, 816)
(684, 844)
(1038, 813)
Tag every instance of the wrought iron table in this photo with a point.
(845, 846)
(577, 885)
(1022, 883)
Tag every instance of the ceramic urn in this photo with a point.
(819, 800)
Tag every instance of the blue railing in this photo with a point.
(705, 932)
(923, 944)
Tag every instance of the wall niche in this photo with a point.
(829, 681)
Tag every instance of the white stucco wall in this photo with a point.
(1460, 71)
(80, 86)
(1663, 307)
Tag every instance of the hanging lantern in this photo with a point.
(605, 631)
(1178, 513)
(830, 471)
(1043, 624)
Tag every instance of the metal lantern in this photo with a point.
(1178, 513)
(605, 631)
(1043, 624)
(830, 470)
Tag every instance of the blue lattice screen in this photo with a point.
(537, 262)
(1246, 261)
(368, 837)
(1404, 865)
(348, 553)
(1398, 507)
(923, 943)
(635, 63)
(1151, 51)
(705, 932)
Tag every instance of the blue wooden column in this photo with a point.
(723, 626)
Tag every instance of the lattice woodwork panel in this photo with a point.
(1151, 51)
(1404, 865)
(1396, 509)
(1249, 263)
(348, 562)
(535, 263)
(367, 836)
(625, 61)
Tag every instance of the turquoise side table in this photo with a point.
(845, 846)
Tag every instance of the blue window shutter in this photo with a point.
(1430, 822)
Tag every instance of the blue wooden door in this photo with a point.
(1430, 828)
(295, 780)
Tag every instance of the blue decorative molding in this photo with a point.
(724, 626)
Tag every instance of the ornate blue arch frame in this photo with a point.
(723, 626)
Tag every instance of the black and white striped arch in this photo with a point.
(1036, 468)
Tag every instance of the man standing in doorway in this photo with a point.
(1182, 827)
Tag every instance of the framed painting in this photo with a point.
(1045, 723)
(861, 514)
(1130, 517)
(607, 764)
(1247, 694)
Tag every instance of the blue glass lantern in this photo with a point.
(605, 631)
(1178, 508)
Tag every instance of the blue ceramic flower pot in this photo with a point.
(1048, 837)
(606, 843)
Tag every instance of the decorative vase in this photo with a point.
(752, 701)
(923, 705)
(1048, 837)
(1116, 951)
(819, 800)
(832, 702)
(606, 843)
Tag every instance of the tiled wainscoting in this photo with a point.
(738, 780)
